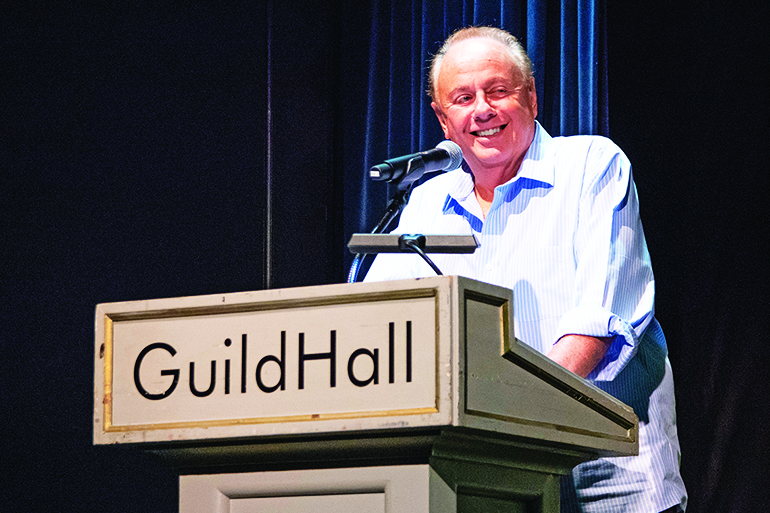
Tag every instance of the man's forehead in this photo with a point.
(472, 57)
(476, 45)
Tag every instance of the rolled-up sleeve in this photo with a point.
(614, 287)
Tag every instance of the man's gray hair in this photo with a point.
(515, 50)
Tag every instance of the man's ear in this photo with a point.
(441, 118)
(533, 97)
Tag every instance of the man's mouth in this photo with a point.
(489, 132)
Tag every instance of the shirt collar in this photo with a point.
(536, 166)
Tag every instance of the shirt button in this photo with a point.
(488, 267)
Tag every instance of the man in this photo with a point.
(558, 222)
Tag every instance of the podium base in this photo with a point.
(464, 473)
(408, 488)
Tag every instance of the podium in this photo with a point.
(395, 396)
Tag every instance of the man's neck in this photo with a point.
(484, 184)
(484, 197)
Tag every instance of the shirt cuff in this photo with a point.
(598, 322)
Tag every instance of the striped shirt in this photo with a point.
(565, 235)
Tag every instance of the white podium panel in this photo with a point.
(320, 359)
(278, 365)
(341, 503)
(349, 490)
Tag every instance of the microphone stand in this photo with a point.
(415, 168)
(396, 205)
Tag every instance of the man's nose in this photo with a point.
(483, 111)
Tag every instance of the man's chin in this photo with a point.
(489, 157)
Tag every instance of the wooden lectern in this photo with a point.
(403, 396)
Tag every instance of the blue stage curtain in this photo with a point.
(565, 39)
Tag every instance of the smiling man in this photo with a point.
(558, 222)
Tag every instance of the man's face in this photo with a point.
(484, 106)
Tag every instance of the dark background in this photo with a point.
(145, 154)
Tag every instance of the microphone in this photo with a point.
(409, 168)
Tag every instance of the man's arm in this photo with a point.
(579, 353)
(614, 288)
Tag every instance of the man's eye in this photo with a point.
(463, 99)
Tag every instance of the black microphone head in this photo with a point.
(455, 154)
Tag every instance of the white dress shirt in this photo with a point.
(565, 235)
